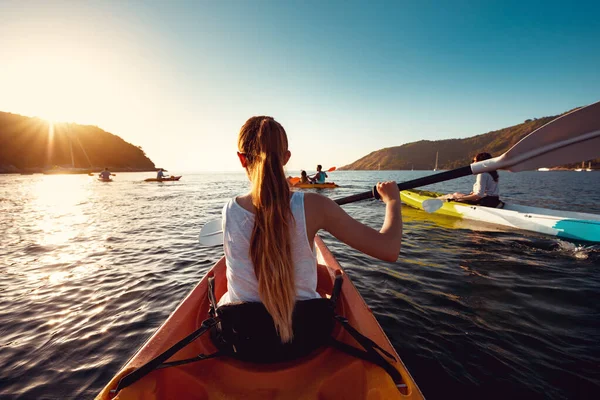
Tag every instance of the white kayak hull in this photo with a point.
(563, 224)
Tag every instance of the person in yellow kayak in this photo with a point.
(486, 190)
(304, 177)
(269, 232)
(319, 177)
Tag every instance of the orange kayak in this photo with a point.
(171, 178)
(325, 374)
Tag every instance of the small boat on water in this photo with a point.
(327, 373)
(169, 179)
(326, 185)
(294, 182)
(563, 224)
(582, 167)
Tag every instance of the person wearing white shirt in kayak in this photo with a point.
(486, 190)
(269, 232)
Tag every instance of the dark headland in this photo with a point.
(453, 153)
(33, 145)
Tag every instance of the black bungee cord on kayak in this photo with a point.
(246, 332)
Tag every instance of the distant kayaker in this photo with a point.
(486, 191)
(269, 232)
(160, 174)
(320, 176)
(304, 177)
(105, 174)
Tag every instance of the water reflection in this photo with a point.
(90, 270)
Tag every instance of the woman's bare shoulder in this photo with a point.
(316, 201)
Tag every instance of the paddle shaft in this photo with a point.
(426, 180)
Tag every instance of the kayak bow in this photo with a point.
(325, 374)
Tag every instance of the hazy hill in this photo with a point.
(35, 144)
(453, 153)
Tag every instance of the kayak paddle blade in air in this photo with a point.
(567, 139)
(211, 233)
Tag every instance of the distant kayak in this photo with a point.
(564, 224)
(105, 180)
(294, 182)
(171, 178)
(326, 185)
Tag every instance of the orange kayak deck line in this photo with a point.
(325, 374)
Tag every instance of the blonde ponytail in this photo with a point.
(264, 143)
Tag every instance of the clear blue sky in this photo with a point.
(344, 78)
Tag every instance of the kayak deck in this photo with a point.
(325, 374)
(563, 224)
(327, 185)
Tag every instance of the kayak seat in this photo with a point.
(246, 332)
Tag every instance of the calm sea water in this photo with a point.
(89, 270)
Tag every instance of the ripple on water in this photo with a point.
(90, 272)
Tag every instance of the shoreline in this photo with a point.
(66, 171)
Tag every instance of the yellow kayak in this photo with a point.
(295, 183)
(563, 224)
(326, 185)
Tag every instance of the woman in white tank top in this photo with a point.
(269, 232)
(242, 284)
